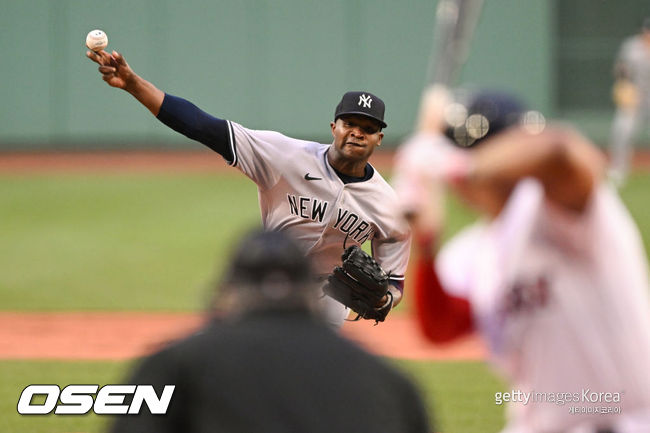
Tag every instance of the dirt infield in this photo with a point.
(168, 162)
(111, 162)
(122, 336)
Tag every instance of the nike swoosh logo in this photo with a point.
(308, 177)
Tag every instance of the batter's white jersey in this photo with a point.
(562, 300)
(300, 193)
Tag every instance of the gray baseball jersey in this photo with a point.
(301, 193)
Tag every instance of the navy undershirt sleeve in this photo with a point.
(188, 119)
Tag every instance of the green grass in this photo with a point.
(143, 241)
(118, 242)
(459, 395)
(123, 242)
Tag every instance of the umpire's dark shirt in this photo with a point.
(275, 372)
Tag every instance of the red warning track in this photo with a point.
(116, 162)
(122, 336)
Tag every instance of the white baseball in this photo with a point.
(96, 40)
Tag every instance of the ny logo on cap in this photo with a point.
(365, 100)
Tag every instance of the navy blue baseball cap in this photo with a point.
(363, 103)
(488, 113)
(502, 110)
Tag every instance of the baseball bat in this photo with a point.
(452, 35)
(453, 30)
(420, 191)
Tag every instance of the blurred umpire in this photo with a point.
(269, 363)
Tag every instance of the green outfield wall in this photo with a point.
(283, 64)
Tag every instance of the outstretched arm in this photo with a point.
(117, 73)
(565, 162)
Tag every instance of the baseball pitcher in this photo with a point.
(327, 196)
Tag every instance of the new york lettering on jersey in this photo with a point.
(346, 221)
(300, 191)
(307, 207)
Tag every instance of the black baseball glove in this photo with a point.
(361, 285)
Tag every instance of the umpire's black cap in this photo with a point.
(363, 103)
(268, 254)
